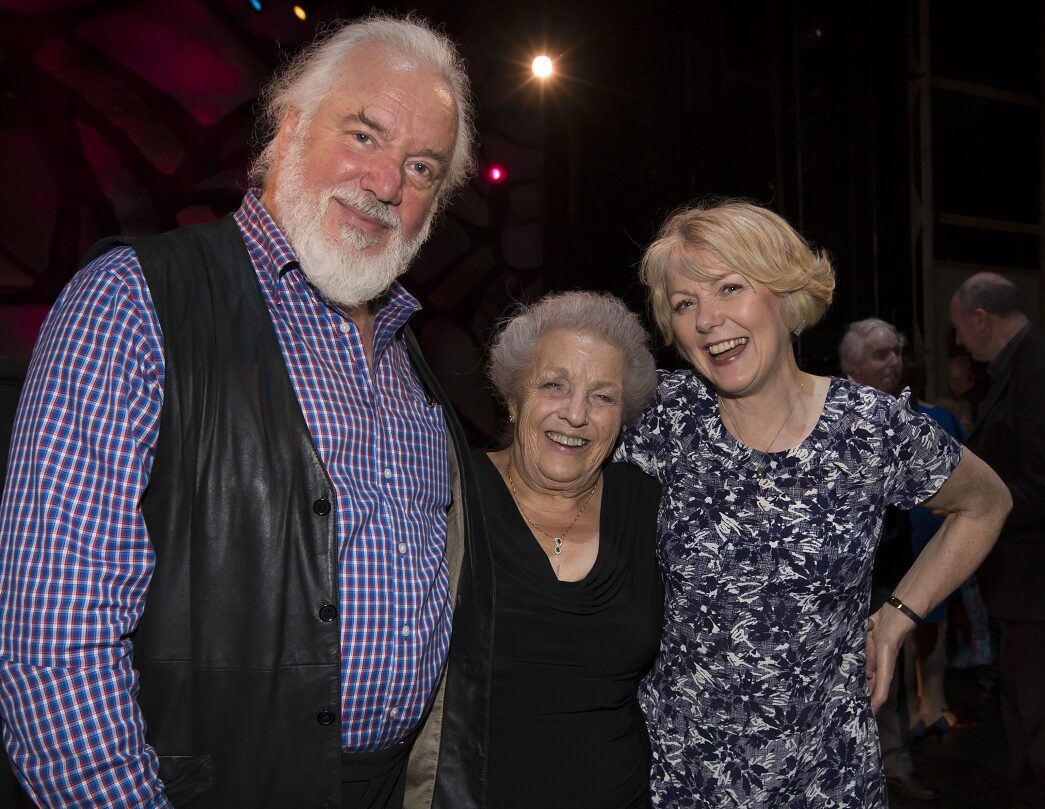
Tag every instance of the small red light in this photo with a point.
(495, 174)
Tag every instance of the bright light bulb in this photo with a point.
(542, 67)
(299, 12)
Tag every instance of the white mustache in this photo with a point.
(368, 206)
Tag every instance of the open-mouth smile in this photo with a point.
(720, 348)
(566, 440)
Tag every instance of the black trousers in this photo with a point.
(376, 779)
(1022, 670)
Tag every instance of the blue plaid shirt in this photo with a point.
(75, 557)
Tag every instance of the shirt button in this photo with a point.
(321, 507)
(406, 631)
(345, 327)
(325, 717)
(327, 613)
(393, 712)
(388, 472)
(402, 547)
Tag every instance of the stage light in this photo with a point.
(255, 4)
(496, 174)
(542, 67)
(299, 12)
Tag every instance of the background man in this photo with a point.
(870, 353)
(1009, 434)
(232, 468)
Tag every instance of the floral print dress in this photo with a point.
(758, 696)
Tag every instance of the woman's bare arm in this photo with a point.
(976, 503)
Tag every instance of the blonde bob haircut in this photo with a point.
(749, 240)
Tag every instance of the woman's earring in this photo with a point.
(511, 418)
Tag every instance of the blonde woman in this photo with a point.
(775, 484)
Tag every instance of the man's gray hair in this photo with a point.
(992, 293)
(851, 349)
(599, 314)
(306, 80)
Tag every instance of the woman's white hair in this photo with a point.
(598, 314)
(306, 80)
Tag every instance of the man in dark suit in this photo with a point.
(1009, 435)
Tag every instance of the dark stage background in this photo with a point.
(903, 137)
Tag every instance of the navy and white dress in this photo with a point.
(758, 697)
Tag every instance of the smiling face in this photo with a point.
(729, 327)
(355, 188)
(568, 415)
(881, 365)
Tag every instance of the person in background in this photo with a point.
(870, 353)
(237, 500)
(1009, 432)
(932, 714)
(967, 382)
(775, 486)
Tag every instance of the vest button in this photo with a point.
(325, 717)
(321, 507)
(327, 613)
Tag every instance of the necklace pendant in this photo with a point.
(558, 545)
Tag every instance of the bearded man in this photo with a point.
(235, 515)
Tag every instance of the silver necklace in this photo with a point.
(556, 541)
(761, 470)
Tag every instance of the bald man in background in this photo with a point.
(1009, 434)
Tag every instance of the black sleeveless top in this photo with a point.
(566, 730)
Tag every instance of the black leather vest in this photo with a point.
(238, 648)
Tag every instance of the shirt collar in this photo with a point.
(391, 311)
(1000, 364)
(260, 229)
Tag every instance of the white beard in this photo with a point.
(337, 267)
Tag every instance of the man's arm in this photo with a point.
(75, 558)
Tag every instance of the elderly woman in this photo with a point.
(775, 483)
(578, 596)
